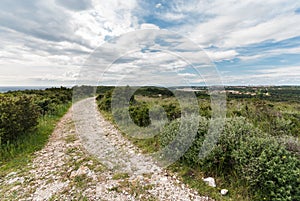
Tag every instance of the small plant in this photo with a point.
(70, 138)
(120, 175)
(81, 180)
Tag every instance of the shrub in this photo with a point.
(291, 144)
(171, 132)
(17, 115)
(140, 114)
(176, 138)
(235, 130)
(269, 169)
(283, 126)
(220, 160)
(138, 111)
(173, 110)
(105, 101)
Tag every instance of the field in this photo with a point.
(256, 156)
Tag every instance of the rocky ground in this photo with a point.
(92, 162)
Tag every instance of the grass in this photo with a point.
(15, 155)
(135, 189)
(120, 175)
(70, 138)
(193, 177)
(81, 181)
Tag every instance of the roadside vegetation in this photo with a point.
(257, 156)
(27, 118)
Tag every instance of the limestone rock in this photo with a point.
(224, 192)
(82, 170)
(210, 181)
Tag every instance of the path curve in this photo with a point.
(103, 140)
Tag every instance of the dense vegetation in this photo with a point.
(28, 117)
(258, 150)
(18, 115)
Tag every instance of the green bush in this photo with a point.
(105, 101)
(139, 113)
(48, 99)
(172, 110)
(171, 131)
(17, 115)
(177, 137)
(220, 160)
(271, 171)
(235, 130)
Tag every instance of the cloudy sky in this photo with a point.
(51, 42)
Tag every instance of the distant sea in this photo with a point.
(16, 88)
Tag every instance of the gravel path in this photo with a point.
(103, 140)
(98, 165)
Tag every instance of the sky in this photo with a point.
(62, 42)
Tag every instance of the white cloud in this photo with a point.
(158, 5)
(238, 23)
(149, 26)
(269, 53)
(291, 71)
(280, 28)
(222, 55)
(106, 19)
(172, 16)
(270, 76)
(252, 57)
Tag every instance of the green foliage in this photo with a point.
(204, 108)
(105, 101)
(273, 118)
(268, 168)
(139, 113)
(272, 172)
(104, 89)
(272, 93)
(27, 117)
(120, 175)
(17, 115)
(47, 99)
(235, 131)
(154, 92)
(31, 141)
(172, 110)
(172, 131)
